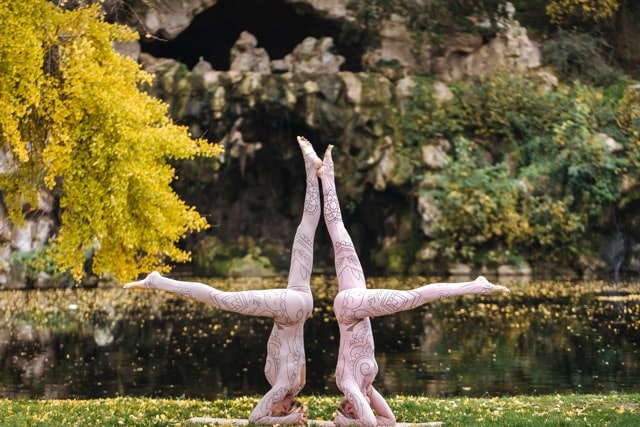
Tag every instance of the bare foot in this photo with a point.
(490, 287)
(305, 145)
(307, 150)
(146, 283)
(328, 161)
(327, 152)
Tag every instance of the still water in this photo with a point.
(543, 338)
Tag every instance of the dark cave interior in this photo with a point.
(244, 203)
(278, 26)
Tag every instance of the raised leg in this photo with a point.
(302, 250)
(361, 303)
(264, 303)
(348, 267)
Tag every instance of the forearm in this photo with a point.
(344, 421)
(386, 421)
(384, 414)
(291, 419)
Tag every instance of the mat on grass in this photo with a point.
(318, 423)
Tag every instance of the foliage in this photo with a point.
(567, 11)
(580, 163)
(426, 118)
(490, 216)
(38, 260)
(422, 120)
(423, 18)
(74, 122)
(612, 22)
(530, 171)
(576, 55)
(35, 261)
(503, 109)
(628, 119)
(628, 114)
(478, 206)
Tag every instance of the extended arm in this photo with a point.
(384, 415)
(360, 404)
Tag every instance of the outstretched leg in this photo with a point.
(264, 303)
(360, 303)
(348, 267)
(302, 250)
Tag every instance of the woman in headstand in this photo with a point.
(289, 308)
(354, 304)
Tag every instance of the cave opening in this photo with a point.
(279, 27)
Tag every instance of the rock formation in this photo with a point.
(256, 106)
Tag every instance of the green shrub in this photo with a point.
(479, 207)
(505, 109)
(578, 56)
(531, 170)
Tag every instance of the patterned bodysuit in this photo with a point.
(289, 308)
(354, 304)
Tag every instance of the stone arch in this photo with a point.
(279, 26)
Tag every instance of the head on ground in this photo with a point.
(347, 409)
(287, 406)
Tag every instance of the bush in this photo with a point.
(578, 56)
(531, 170)
(581, 11)
(505, 109)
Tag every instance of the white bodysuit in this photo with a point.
(354, 304)
(289, 308)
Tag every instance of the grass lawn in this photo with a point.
(557, 410)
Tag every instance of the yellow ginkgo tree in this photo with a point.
(586, 11)
(75, 122)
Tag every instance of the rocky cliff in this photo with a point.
(256, 94)
(252, 75)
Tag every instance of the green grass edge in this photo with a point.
(611, 409)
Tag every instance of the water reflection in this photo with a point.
(531, 342)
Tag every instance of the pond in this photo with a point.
(545, 337)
